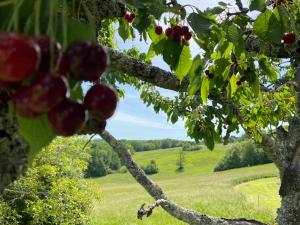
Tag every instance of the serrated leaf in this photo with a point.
(184, 63)
(204, 89)
(200, 22)
(259, 5)
(171, 53)
(124, 30)
(36, 132)
(233, 85)
(233, 33)
(268, 27)
(80, 31)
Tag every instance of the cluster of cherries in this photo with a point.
(129, 17)
(177, 33)
(33, 74)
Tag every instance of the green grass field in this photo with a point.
(222, 194)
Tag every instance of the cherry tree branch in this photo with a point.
(181, 213)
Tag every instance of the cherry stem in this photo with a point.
(191, 6)
(65, 24)
(37, 9)
(51, 32)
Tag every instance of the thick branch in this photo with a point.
(99, 9)
(145, 72)
(181, 213)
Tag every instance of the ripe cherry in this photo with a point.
(127, 17)
(188, 36)
(21, 102)
(84, 61)
(45, 46)
(19, 57)
(289, 38)
(209, 74)
(101, 101)
(168, 31)
(158, 30)
(67, 117)
(184, 30)
(176, 36)
(47, 91)
(177, 29)
(243, 79)
(239, 83)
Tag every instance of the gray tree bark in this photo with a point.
(13, 149)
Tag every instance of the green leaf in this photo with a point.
(124, 30)
(200, 22)
(36, 132)
(233, 85)
(171, 53)
(233, 33)
(204, 89)
(268, 27)
(80, 31)
(209, 139)
(259, 5)
(195, 68)
(184, 63)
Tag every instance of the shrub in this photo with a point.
(53, 191)
(123, 169)
(190, 147)
(242, 155)
(151, 168)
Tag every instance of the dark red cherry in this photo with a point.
(177, 30)
(47, 92)
(45, 45)
(84, 61)
(158, 30)
(289, 38)
(19, 57)
(21, 102)
(101, 101)
(168, 31)
(184, 30)
(239, 83)
(67, 118)
(188, 36)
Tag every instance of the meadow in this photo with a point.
(250, 192)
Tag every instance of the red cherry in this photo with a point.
(47, 92)
(44, 44)
(130, 17)
(127, 17)
(158, 30)
(209, 74)
(22, 106)
(239, 83)
(188, 36)
(289, 38)
(84, 61)
(101, 101)
(19, 57)
(177, 30)
(243, 79)
(169, 31)
(176, 36)
(184, 30)
(67, 117)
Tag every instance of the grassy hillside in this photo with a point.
(198, 187)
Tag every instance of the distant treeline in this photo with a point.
(147, 145)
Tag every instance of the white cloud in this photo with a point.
(135, 120)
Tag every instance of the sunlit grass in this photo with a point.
(197, 187)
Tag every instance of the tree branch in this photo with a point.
(145, 72)
(181, 213)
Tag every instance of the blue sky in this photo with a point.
(133, 120)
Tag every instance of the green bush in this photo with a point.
(103, 160)
(53, 191)
(151, 168)
(8, 216)
(190, 147)
(242, 155)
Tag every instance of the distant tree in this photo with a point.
(151, 168)
(180, 160)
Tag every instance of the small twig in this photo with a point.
(147, 212)
(90, 139)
